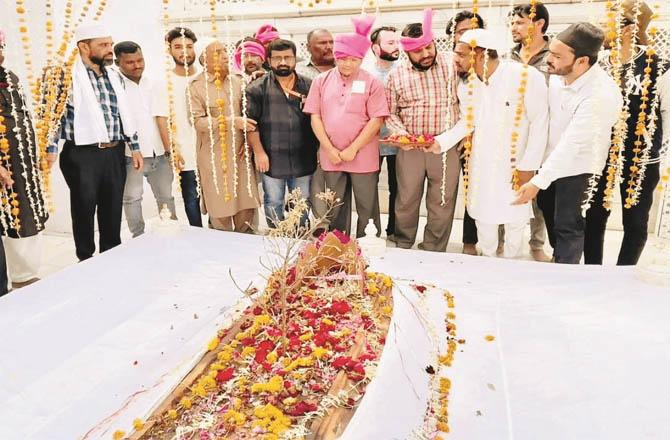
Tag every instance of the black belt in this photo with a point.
(101, 145)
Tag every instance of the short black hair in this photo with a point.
(541, 13)
(126, 47)
(280, 44)
(413, 30)
(374, 36)
(177, 33)
(311, 33)
(463, 15)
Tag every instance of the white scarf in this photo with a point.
(89, 122)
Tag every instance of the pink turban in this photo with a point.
(358, 43)
(249, 48)
(410, 44)
(2, 38)
(266, 34)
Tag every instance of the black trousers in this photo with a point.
(469, 226)
(469, 229)
(96, 178)
(4, 282)
(393, 191)
(561, 204)
(635, 220)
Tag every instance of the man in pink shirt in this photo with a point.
(348, 107)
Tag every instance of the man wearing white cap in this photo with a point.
(505, 109)
(96, 126)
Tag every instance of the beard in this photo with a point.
(421, 67)
(389, 56)
(283, 71)
(102, 61)
(179, 62)
(561, 71)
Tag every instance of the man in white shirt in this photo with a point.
(181, 41)
(386, 49)
(584, 104)
(509, 140)
(140, 92)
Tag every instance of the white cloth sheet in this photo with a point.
(580, 353)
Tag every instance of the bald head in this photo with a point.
(320, 47)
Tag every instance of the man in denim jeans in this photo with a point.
(181, 41)
(284, 144)
(157, 168)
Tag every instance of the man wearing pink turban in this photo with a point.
(249, 57)
(348, 108)
(266, 34)
(421, 93)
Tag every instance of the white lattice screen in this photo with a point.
(662, 44)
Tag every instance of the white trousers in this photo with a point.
(24, 257)
(488, 239)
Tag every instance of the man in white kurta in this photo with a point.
(494, 105)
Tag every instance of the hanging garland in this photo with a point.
(247, 150)
(615, 160)
(233, 143)
(10, 203)
(470, 109)
(645, 124)
(175, 154)
(520, 106)
(36, 210)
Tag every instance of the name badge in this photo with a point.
(358, 87)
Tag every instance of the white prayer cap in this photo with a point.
(202, 44)
(90, 31)
(486, 39)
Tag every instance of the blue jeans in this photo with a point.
(274, 194)
(158, 172)
(189, 192)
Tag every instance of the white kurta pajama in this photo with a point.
(490, 194)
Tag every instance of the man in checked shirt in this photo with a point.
(421, 103)
(95, 127)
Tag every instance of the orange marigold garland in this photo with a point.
(520, 106)
(615, 157)
(175, 154)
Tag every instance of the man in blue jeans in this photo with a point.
(284, 144)
(140, 91)
(181, 41)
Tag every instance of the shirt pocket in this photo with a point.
(357, 103)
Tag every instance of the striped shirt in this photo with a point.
(102, 87)
(419, 101)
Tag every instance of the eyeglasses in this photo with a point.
(287, 59)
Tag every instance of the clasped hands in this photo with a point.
(338, 156)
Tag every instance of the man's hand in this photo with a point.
(435, 148)
(178, 159)
(6, 177)
(257, 74)
(333, 154)
(525, 176)
(138, 161)
(240, 125)
(262, 162)
(526, 193)
(51, 159)
(348, 154)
